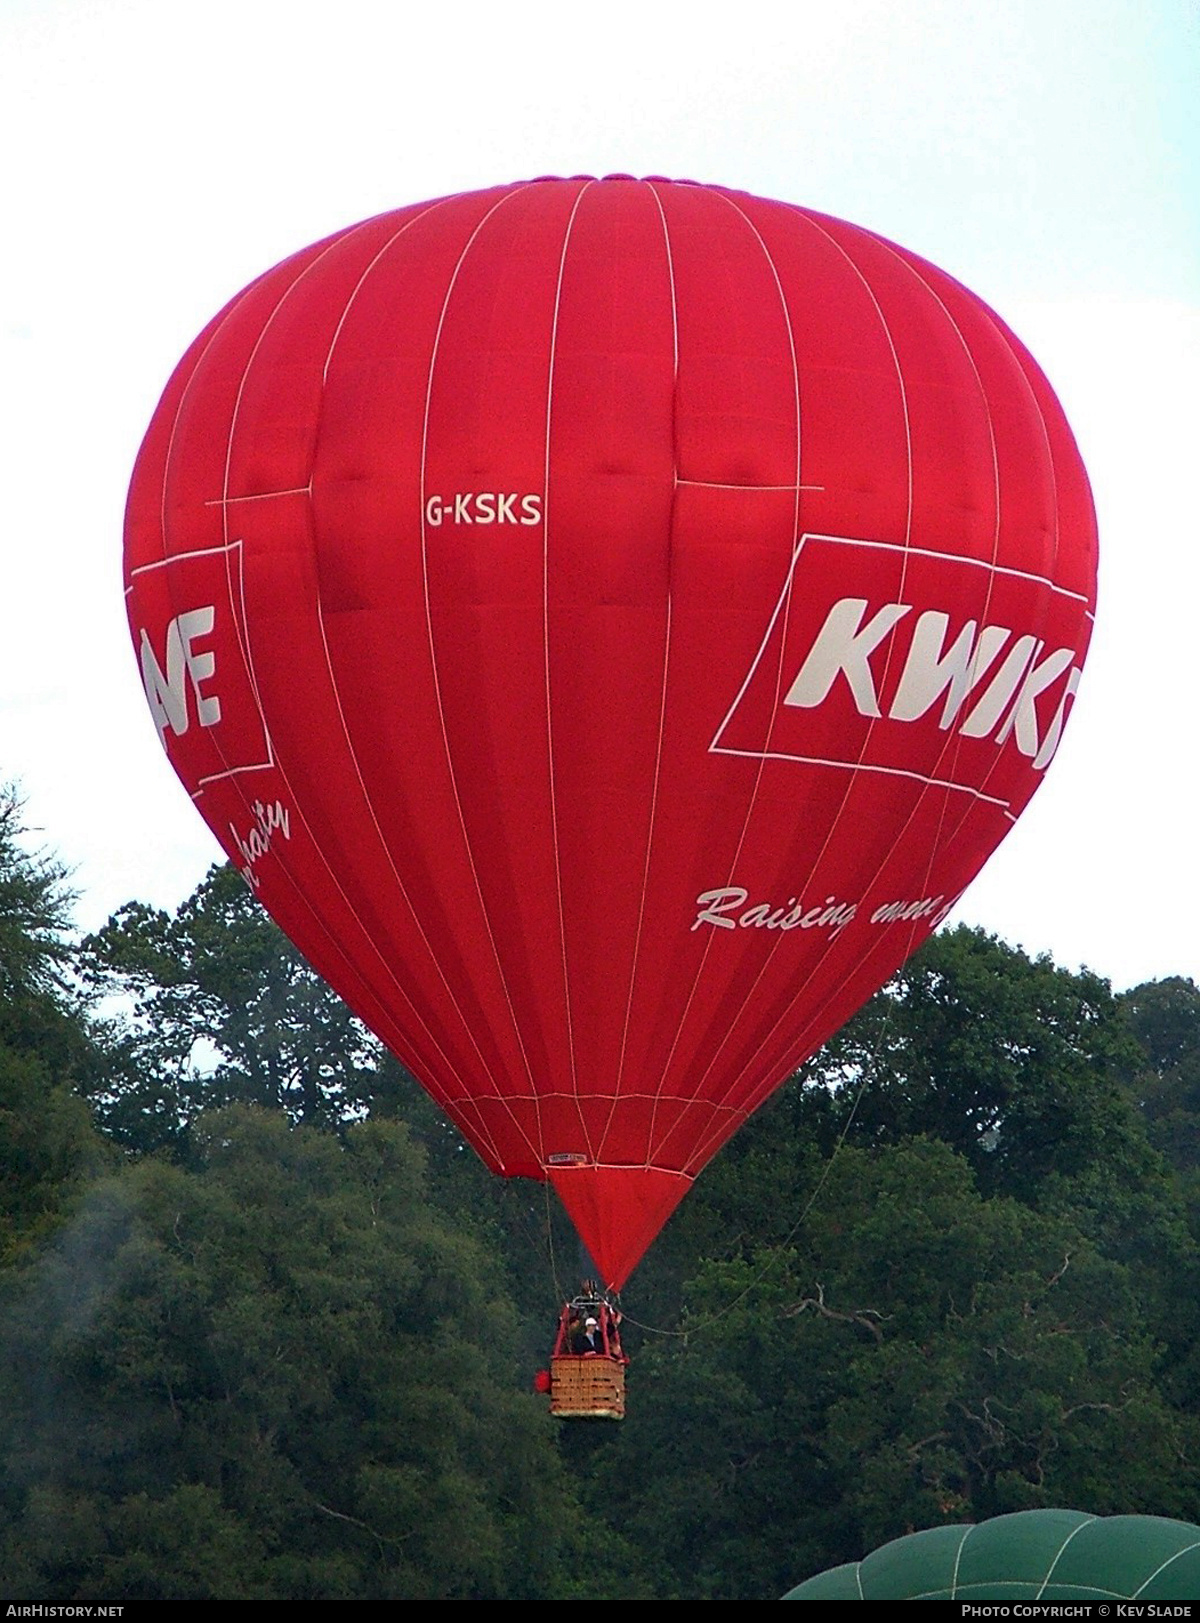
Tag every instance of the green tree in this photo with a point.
(216, 1007)
(1013, 1061)
(213, 1006)
(35, 910)
(46, 1140)
(922, 1354)
(1018, 1065)
(1165, 1017)
(1023, 1068)
(275, 1374)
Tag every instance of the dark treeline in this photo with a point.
(267, 1329)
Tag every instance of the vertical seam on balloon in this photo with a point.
(951, 743)
(450, 1066)
(243, 640)
(1052, 459)
(235, 786)
(485, 1073)
(416, 219)
(562, 923)
(958, 1561)
(1008, 351)
(718, 1133)
(1018, 357)
(1162, 1567)
(662, 708)
(437, 687)
(908, 451)
(234, 306)
(763, 1089)
(783, 599)
(1012, 356)
(1058, 1554)
(783, 640)
(787, 319)
(389, 973)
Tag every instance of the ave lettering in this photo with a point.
(986, 681)
(188, 669)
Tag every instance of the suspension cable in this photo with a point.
(780, 1245)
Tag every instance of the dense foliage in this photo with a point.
(266, 1327)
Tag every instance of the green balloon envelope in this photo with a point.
(1047, 1555)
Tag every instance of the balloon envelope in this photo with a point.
(1045, 1555)
(608, 623)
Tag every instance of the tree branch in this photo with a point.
(864, 1317)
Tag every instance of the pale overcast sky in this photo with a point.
(159, 154)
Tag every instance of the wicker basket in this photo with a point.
(591, 1387)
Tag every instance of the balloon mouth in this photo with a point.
(617, 1210)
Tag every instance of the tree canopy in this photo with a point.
(217, 1007)
(267, 1326)
(275, 1373)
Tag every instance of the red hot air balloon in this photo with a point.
(608, 623)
